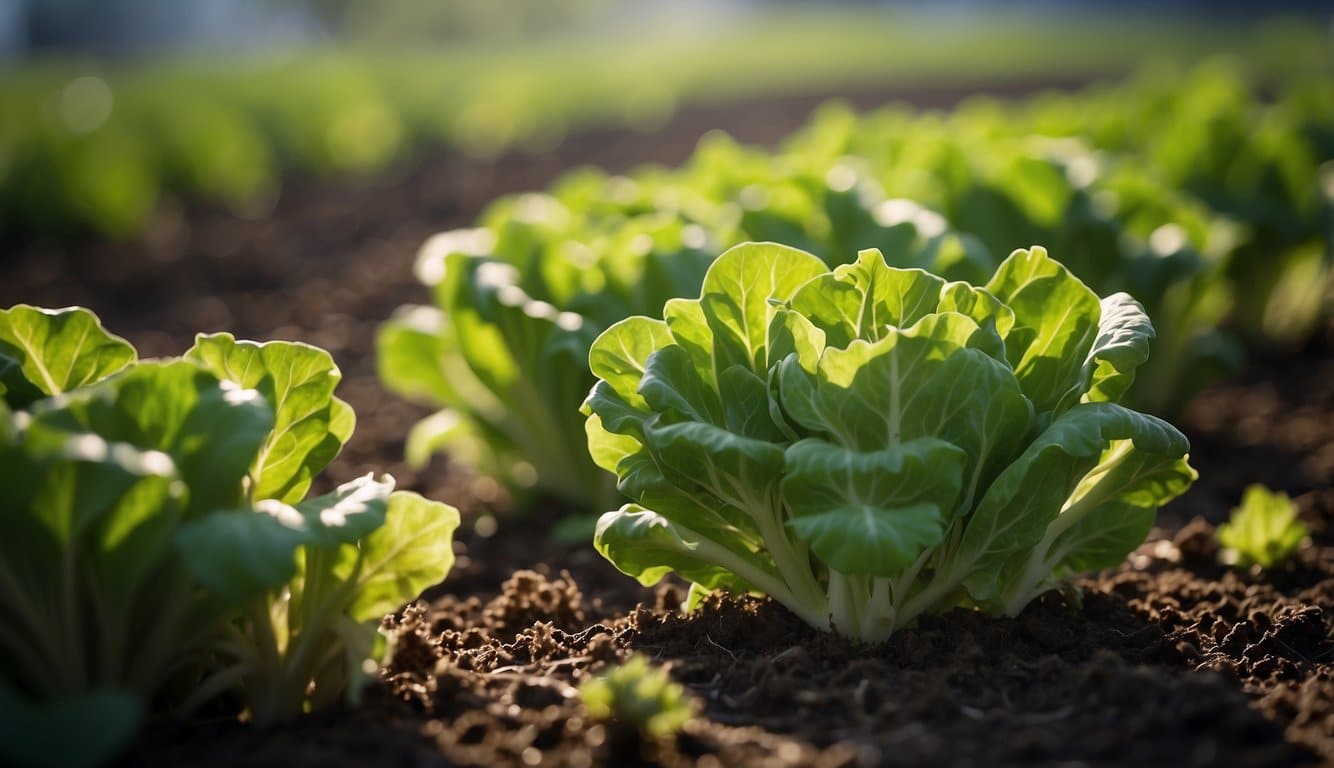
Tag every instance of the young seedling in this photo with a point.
(1263, 530)
(640, 695)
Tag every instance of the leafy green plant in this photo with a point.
(1257, 161)
(312, 582)
(1122, 226)
(1263, 530)
(637, 694)
(160, 551)
(519, 300)
(869, 444)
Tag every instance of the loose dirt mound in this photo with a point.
(1167, 661)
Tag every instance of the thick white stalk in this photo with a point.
(793, 566)
(942, 585)
(843, 606)
(878, 617)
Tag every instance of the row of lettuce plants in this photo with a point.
(163, 552)
(1210, 204)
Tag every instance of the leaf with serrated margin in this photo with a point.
(862, 300)
(893, 297)
(995, 320)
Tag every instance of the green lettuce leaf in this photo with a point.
(1056, 322)
(738, 293)
(1092, 455)
(298, 380)
(871, 512)
(52, 351)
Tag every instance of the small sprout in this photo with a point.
(1264, 529)
(636, 693)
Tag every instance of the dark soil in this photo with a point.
(1170, 660)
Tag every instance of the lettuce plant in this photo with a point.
(312, 578)
(161, 548)
(519, 300)
(1255, 159)
(1122, 226)
(1216, 223)
(1263, 530)
(869, 444)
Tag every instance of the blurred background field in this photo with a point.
(112, 107)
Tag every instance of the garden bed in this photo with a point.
(1169, 660)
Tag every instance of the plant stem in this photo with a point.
(298, 664)
(265, 695)
(940, 587)
(72, 626)
(709, 551)
(842, 605)
(794, 569)
(1039, 563)
(878, 618)
(42, 642)
(212, 686)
